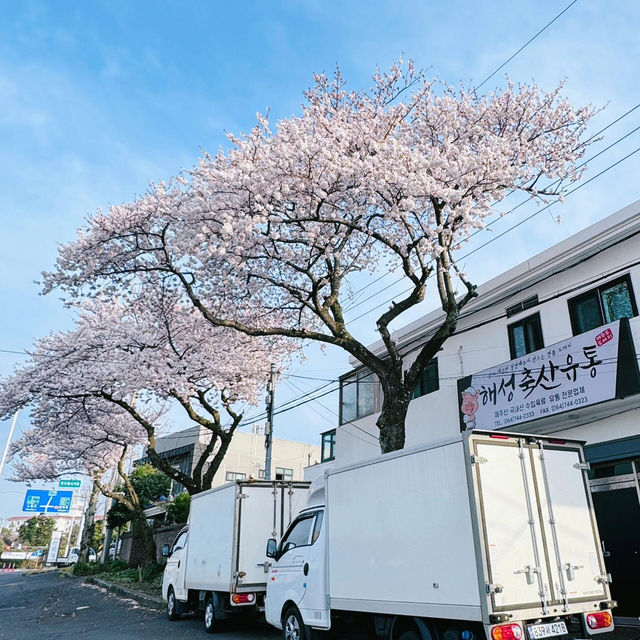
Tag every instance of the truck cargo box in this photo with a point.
(484, 527)
(228, 529)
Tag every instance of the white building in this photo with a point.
(244, 458)
(547, 347)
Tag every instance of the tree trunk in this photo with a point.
(87, 530)
(143, 546)
(391, 421)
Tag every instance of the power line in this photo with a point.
(535, 213)
(291, 375)
(526, 44)
(344, 423)
(504, 214)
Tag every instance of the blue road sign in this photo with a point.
(46, 501)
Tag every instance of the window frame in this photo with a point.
(573, 302)
(355, 378)
(284, 478)
(433, 362)
(521, 323)
(238, 475)
(316, 530)
(330, 437)
(184, 534)
(292, 526)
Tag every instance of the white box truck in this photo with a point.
(217, 563)
(487, 535)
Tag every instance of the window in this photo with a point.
(317, 527)
(522, 306)
(429, 381)
(261, 474)
(180, 542)
(328, 446)
(525, 336)
(298, 534)
(604, 304)
(284, 474)
(234, 475)
(359, 396)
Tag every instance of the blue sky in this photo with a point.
(97, 99)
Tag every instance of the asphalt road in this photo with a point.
(48, 606)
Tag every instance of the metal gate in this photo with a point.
(616, 499)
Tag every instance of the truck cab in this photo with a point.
(296, 594)
(173, 578)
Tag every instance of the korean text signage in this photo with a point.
(70, 484)
(44, 501)
(54, 549)
(578, 372)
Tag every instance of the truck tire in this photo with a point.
(409, 634)
(172, 605)
(210, 624)
(292, 625)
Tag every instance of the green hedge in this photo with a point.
(93, 568)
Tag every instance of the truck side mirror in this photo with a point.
(166, 550)
(272, 548)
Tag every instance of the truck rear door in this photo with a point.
(564, 498)
(264, 511)
(536, 523)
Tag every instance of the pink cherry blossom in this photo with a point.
(265, 237)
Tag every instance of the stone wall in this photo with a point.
(165, 535)
(126, 540)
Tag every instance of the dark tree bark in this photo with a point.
(143, 547)
(87, 529)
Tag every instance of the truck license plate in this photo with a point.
(537, 631)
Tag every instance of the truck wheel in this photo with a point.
(172, 605)
(210, 625)
(409, 634)
(293, 626)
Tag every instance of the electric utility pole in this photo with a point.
(6, 447)
(268, 430)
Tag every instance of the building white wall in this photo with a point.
(564, 271)
(246, 453)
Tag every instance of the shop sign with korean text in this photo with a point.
(584, 370)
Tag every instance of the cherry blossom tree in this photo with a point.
(86, 437)
(266, 237)
(143, 358)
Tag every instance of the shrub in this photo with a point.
(113, 566)
(86, 568)
(178, 508)
(126, 575)
(151, 573)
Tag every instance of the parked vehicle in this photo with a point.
(114, 550)
(74, 555)
(217, 563)
(486, 535)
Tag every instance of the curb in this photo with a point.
(142, 598)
